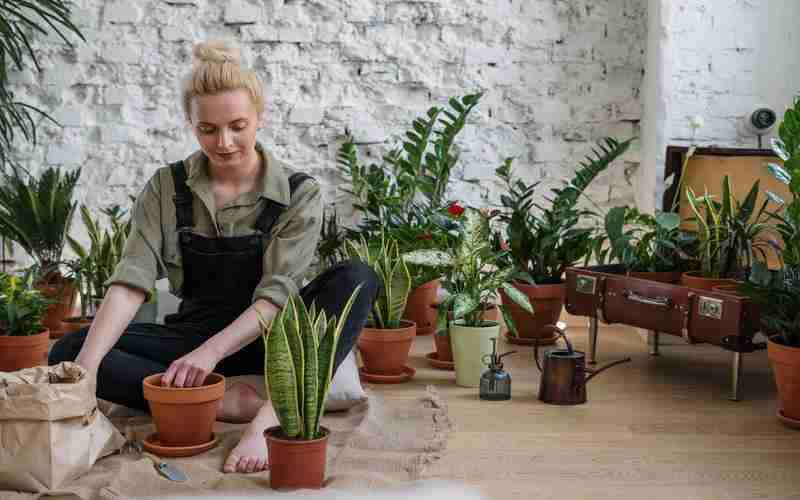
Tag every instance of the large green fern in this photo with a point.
(300, 348)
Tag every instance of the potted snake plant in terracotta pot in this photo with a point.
(730, 234)
(300, 347)
(543, 239)
(646, 246)
(36, 213)
(472, 281)
(24, 339)
(385, 342)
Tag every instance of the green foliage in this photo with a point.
(19, 20)
(472, 276)
(544, 240)
(777, 294)
(787, 220)
(331, 245)
(22, 307)
(300, 347)
(383, 256)
(37, 213)
(643, 242)
(729, 233)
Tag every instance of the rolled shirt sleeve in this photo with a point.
(139, 266)
(291, 249)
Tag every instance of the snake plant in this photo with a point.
(300, 346)
(385, 259)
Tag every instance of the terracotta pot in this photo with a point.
(729, 288)
(444, 352)
(63, 293)
(785, 362)
(418, 307)
(659, 276)
(693, 279)
(385, 352)
(73, 324)
(547, 302)
(20, 352)
(294, 463)
(184, 416)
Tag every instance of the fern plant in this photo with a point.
(384, 258)
(19, 20)
(300, 348)
(37, 214)
(544, 240)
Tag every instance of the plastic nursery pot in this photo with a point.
(385, 351)
(547, 302)
(418, 307)
(470, 344)
(69, 325)
(785, 363)
(184, 416)
(693, 279)
(26, 351)
(296, 463)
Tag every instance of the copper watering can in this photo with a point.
(563, 380)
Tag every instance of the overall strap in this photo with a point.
(273, 209)
(183, 196)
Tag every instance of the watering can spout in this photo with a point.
(592, 373)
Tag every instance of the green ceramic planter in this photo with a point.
(470, 344)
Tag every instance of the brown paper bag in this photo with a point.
(50, 428)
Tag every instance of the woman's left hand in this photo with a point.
(191, 370)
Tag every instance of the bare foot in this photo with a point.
(240, 404)
(250, 455)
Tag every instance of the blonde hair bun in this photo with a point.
(216, 51)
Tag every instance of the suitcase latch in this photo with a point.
(710, 308)
(585, 284)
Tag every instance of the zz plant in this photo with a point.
(300, 348)
(544, 239)
(644, 242)
(385, 259)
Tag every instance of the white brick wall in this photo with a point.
(557, 76)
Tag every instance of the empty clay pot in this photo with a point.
(295, 463)
(418, 307)
(184, 416)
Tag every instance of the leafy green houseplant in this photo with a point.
(300, 347)
(647, 246)
(730, 234)
(543, 239)
(386, 340)
(23, 337)
(472, 282)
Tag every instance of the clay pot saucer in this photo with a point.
(408, 372)
(787, 421)
(154, 446)
(532, 341)
(433, 360)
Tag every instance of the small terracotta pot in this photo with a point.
(19, 352)
(184, 416)
(63, 293)
(294, 463)
(730, 289)
(693, 279)
(73, 324)
(547, 302)
(785, 363)
(385, 352)
(418, 307)
(444, 351)
(659, 276)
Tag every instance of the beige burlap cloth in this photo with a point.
(378, 443)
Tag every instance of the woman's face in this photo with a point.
(225, 125)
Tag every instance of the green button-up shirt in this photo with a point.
(152, 252)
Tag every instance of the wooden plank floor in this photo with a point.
(656, 428)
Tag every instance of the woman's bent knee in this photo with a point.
(67, 347)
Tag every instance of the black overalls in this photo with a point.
(220, 276)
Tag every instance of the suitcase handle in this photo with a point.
(650, 301)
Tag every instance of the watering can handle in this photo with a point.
(561, 329)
